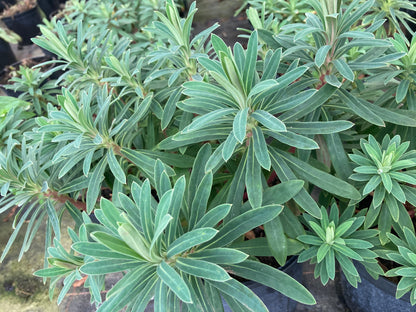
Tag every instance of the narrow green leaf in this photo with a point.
(241, 293)
(333, 81)
(98, 251)
(372, 184)
(53, 219)
(316, 100)
(114, 244)
(174, 281)
(164, 222)
(220, 255)
(239, 125)
(282, 192)
(360, 109)
(109, 266)
(250, 62)
(203, 269)
(94, 184)
(321, 54)
(402, 89)
(146, 212)
(269, 121)
(135, 240)
(387, 182)
(321, 179)
(200, 202)
(243, 223)
(318, 127)
(393, 207)
(253, 181)
(293, 139)
(397, 192)
(262, 86)
(213, 216)
(175, 208)
(170, 107)
(344, 69)
(207, 119)
(51, 272)
(273, 278)
(189, 240)
(228, 147)
(276, 239)
(115, 167)
(260, 148)
(284, 173)
(218, 45)
(347, 252)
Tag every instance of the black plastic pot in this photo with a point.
(275, 301)
(373, 295)
(6, 54)
(6, 3)
(48, 6)
(25, 24)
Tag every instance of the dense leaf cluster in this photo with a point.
(199, 143)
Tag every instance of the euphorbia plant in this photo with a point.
(174, 245)
(337, 238)
(199, 143)
(380, 167)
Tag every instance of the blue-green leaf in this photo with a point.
(269, 121)
(189, 240)
(174, 281)
(239, 125)
(321, 55)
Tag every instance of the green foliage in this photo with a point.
(405, 257)
(283, 12)
(33, 86)
(338, 238)
(8, 104)
(66, 265)
(198, 143)
(381, 167)
(168, 250)
(398, 13)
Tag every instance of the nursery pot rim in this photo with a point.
(19, 14)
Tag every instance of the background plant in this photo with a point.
(404, 257)
(380, 167)
(170, 247)
(337, 238)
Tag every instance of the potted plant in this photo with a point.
(23, 18)
(201, 143)
(392, 169)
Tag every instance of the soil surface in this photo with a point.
(20, 7)
(20, 291)
(221, 12)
